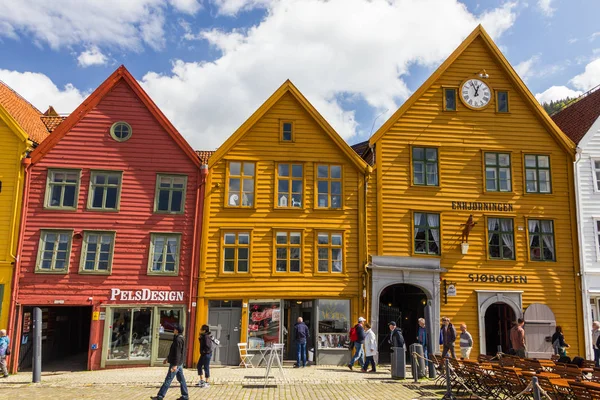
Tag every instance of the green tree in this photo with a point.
(555, 106)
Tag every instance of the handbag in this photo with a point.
(7, 352)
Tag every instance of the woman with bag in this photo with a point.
(558, 342)
(4, 352)
(370, 349)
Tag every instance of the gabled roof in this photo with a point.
(24, 113)
(204, 155)
(287, 87)
(577, 118)
(364, 151)
(479, 32)
(121, 74)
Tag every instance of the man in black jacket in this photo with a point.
(395, 339)
(175, 360)
(301, 333)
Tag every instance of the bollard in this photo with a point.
(37, 345)
(448, 395)
(415, 365)
(430, 335)
(536, 389)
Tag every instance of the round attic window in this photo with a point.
(120, 131)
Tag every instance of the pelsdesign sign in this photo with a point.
(145, 295)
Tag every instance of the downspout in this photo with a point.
(18, 183)
(26, 162)
(585, 300)
(366, 260)
(195, 261)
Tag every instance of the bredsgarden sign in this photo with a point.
(145, 295)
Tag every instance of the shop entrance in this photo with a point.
(403, 304)
(65, 338)
(225, 322)
(292, 310)
(498, 322)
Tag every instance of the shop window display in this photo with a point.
(334, 323)
(131, 337)
(263, 324)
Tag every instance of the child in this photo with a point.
(370, 349)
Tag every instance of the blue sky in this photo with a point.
(210, 63)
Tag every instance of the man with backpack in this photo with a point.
(208, 344)
(357, 338)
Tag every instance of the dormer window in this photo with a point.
(120, 131)
(287, 131)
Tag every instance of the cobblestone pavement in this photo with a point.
(316, 382)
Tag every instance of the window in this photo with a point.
(287, 131)
(164, 254)
(264, 323)
(289, 185)
(502, 101)
(105, 190)
(497, 172)
(597, 232)
(130, 336)
(236, 252)
(170, 193)
(288, 250)
(501, 238)
(425, 166)
(537, 173)
(596, 168)
(120, 131)
(54, 251)
(427, 233)
(97, 252)
(449, 99)
(241, 184)
(334, 323)
(330, 252)
(62, 188)
(541, 240)
(329, 186)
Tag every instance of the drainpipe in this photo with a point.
(586, 302)
(195, 260)
(366, 261)
(26, 162)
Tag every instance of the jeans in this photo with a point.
(358, 356)
(370, 360)
(169, 378)
(301, 354)
(204, 363)
(3, 369)
(597, 357)
(448, 348)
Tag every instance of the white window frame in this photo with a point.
(594, 174)
(596, 238)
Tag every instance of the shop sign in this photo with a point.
(451, 290)
(480, 206)
(26, 322)
(95, 315)
(102, 315)
(145, 295)
(491, 278)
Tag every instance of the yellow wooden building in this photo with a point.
(284, 208)
(21, 128)
(473, 141)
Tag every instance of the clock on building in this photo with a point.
(475, 94)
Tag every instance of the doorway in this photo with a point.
(167, 319)
(225, 322)
(403, 304)
(292, 309)
(65, 338)
(498, 322)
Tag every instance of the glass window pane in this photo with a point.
(248, 169)
(323, 254)
(235, 168)
(296, 186)
(100, 179)
(242, 253)
(490, 158)
(281, 265)
(283, 170)
(230, 238)
(229, 253)
(176, 200)
(530, 161)
(336, 240)
(323, 199)
(242, 266)
(281, 238)
(69, 196)
(323, 266)
(228, 266)
(111, 197)
(294, 253)
(418, 153)
(179, 182)
(450, 99)
(336, 172)
(336, 201)
(543, 161)
(431, 154)
(295, 265)
(243, 238)
(113, 179)
(336, 187)
(163, 200)
(248, 185)
(297, 171)
(323, 238)
(504, 160)
(282, 253)
(165, 181)
(295, 238)
(323, 171)
(283, 186)
(97, 197)
(323, 187)
(55, 196)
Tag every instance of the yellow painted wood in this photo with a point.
(14, 145)
(461, 137)
(315, 143)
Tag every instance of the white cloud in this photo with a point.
(556, 93)
(329, 49)
(531, 68)
(38, 89)
(525, 68)
(128, 25)
(92, 56)
(589, 78)
(546, 7)
(232, 7)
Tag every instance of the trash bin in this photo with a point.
(311, 355)
(420, 362)
(398, 363)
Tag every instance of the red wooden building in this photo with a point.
(109, 235)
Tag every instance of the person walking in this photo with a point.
(395, 339)
(175, 361)
(357, 336)
(466, 342)
(207, 345)
(370, 349)
(4, 352)
(517, 338)
(301, 334)
(558, 342)
(422, 336)
(595, 340)
(448, 337)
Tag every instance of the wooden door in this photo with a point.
(540, 325)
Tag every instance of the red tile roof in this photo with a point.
(576, 119)
(26, 115)
(52, 122)
(204, 155)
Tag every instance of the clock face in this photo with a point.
(475, 93)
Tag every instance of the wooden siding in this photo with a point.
(461, 137)
(11, 175)
(261, 144)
